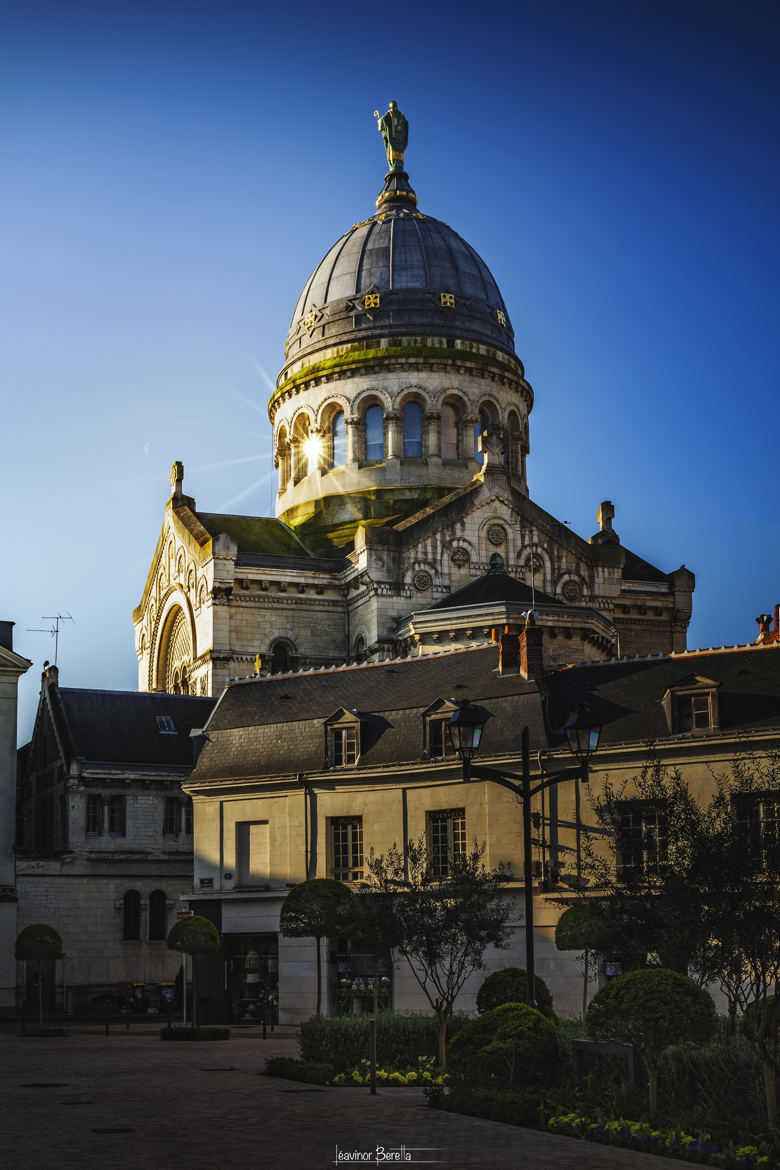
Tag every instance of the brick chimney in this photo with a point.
(508, 652)
(530, 650)
(766, 633)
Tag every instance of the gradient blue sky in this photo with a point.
(173, 171)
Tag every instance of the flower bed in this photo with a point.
(672, 1143)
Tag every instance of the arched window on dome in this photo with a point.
(412, 430)
(512, 456)
(283, 458)
(375, 434)
(338, 440)
(300, 448)
(480, 428)
(449, 431)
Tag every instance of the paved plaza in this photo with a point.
(127, 1101)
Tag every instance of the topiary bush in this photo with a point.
(194, 1033)
(509, 1045)
(509, 986)
(652, 1009)
(400, 1039)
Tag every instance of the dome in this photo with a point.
(399, 273)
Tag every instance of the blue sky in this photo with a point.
(174, 171)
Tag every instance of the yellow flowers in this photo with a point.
(425, 1074)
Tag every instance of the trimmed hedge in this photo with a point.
(400, 1039)
(194, 1033)
(515, 1107)
(299, 1070)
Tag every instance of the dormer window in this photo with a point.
(342, 739)
(437, 742)
(691, 706)
(165, 725)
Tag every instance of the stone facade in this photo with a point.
(265, 764)
(105, 835)
(12, 667)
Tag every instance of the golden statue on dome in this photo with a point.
(394, 129)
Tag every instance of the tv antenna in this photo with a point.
(54, 630)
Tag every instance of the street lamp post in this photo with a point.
(466, 728)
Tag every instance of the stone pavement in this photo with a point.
(130, 1102)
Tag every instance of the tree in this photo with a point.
(575, 930)
(740, 944)
(652, 1009)
(368, 920)
(314, 909)
(650, 876)
(38, 942)
(445, 925)
(194, 936)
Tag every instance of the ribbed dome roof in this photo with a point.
(429, 282)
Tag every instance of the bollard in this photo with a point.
(372, 1053)
(24, 1019)
(108, 1016)
(265, 1033)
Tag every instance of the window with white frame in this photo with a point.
(346, 842)
(94, 818)
(758, 814)
(446, 839)
(117, 816)
(643, 840)
(342, 739)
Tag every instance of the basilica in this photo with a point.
(403, 523)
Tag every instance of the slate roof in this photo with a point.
(410, 259)
(494, 587)
(635, 568)
(257, 535)
(120, 727)
(627, 695)
(275, 725)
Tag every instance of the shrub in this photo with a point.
(343, 1042)
(652, 1009)
(509, 986)
(509, 1044)
(710, 1088)
(194, 1033)
(299, 1070)
(515, 1107)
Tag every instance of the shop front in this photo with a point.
(359, 983)
(251, 978)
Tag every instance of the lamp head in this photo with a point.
(582, 732)
(466, 727)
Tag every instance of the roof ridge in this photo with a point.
(702, 652)
(343, 667)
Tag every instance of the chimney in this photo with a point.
(50, 676)
(766, 633)
(7, 635)
(508, 652)
(530, 650)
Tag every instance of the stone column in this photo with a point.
(392, 419)
(353, 425)
(433, 419)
